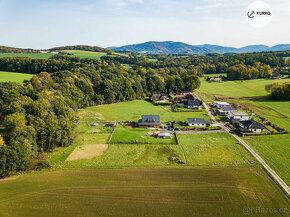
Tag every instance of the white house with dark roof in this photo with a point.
(198, 122)
(237, 116)
(224, 111)
(193, 104)
(251, 126)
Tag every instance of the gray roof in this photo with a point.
(149, 120)
(193, 103)
(251, 124)
(197, 121)
(157, 95)
(227, 108)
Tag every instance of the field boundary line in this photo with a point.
(109, 140)
(178, 143)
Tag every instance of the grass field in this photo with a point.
(154, 192)
(86, 54)
(137, 135)
(30, 55)
(13, 76)
(133, 110)
(275, 151)
(213, 149)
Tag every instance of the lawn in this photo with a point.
(246, 88)
(30, 55)
(14, 76)
(133, 110)
(213, 149)
(275, 151)
(125, 135)
(154, 192)
(86, 54)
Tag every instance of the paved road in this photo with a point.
(265, 165)
(206, 131)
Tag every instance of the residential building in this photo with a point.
(251, 126)
(158, 97)
(198, 122)
(224, 111)
(193, 104)
(149, 121)
(237, 116)
(220, 104)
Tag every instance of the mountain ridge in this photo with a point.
(171, 47)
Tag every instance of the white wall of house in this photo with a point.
(237, 117)
(196, 125)
(256, 130)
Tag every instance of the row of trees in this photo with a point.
(243, 72)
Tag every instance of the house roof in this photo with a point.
(149, 120)
(251, 124)
(158, 95)
(239, 113)
(197, 121)
(221, 103)
(188, 96)
(227, 108)
(193, 103)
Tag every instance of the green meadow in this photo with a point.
(30, 55)
(86, 54)
(133, 110)
(275, 151)
(14, 76)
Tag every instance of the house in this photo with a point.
(112, 124)
(198, 122)
(215, 79)
(193, 104)
(224, 111)
(158, 97)
(220, 104)
(237, 116)
(276, 76)
(163, 134)
(251, 126)
(149, 121)
(183, 97)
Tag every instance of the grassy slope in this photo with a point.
(13, 76)
(137, 135)
(202, 192)
(31, 55)
(275, 150)
(86, 54)
(133, 110)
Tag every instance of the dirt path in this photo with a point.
(258, 158)
(87, 152)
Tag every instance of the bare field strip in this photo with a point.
(87, 152)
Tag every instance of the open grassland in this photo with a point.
(126, 135)
(213, 149)
(246, 88)
(86, 54)
(14, 77)
(133, 110)
(30, 55)
(275, 151)
(154, 192)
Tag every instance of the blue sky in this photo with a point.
(49, 23)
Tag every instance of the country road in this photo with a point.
(241, 141)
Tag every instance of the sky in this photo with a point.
(42, 24)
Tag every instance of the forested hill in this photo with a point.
(5, 49)
(170, 47)
(83, 47)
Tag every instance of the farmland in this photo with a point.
(275, 151)
(86, 54)
(133, 110)
(30, 55)
(14, 76)
(236, 191)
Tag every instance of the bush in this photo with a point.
(42, 164)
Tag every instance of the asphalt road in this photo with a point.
(265, 165)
